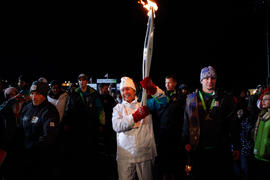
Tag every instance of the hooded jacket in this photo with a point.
(262, 140)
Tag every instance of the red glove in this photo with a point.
(141, 113)
(148, 84)
(187, 147)
(3, 155)
(236, 155)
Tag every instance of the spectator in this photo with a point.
(208, 129)
(170, 84)
(262, 139)
(170, 148)
(24, 86)
(107, 134)
(244, 125)
(108, 103)
(82, 118)
(57, 97)
(9, 114)
(39, 121)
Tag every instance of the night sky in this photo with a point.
(59, 41)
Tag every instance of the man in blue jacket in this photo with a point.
(39, 123)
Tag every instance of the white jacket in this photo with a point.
(135, 144)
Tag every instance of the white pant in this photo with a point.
(127, 171)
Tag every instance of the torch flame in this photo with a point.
(149, 6)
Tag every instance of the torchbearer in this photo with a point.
(132, 122)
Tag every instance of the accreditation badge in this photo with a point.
(216, 104)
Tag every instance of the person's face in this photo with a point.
(240, 113)
(266, 101)
(242, 94)
(170, 84)
(56, 89)
(37, 98)
(104, 90)
(21, 83)
(184, 91)
(82, 82)
(128, 94)
(208, 84)
(260, 90)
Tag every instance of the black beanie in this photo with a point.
(40, 88)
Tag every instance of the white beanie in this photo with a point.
(127, 82)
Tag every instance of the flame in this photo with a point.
(149, 5)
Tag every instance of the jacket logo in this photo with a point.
(34, 119)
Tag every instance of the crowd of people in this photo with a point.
(47, 131)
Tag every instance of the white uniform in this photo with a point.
(136, 148)
(135, 143)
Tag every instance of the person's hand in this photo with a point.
(148, 84)
(140, 113)
(18, 97)
(3, 155)
(235, 155)
(187, 147)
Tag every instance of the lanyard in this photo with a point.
(203, 103)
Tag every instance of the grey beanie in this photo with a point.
(207, 72)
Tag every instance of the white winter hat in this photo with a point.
(127, 82)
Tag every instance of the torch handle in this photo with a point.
(147, 51)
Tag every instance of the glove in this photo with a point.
(187, 147)
(148, 84)
(141, 113)
(236, 155)
(3, 155)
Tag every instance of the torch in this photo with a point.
(148, 43)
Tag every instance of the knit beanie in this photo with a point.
(127, 82)
(10, 90)
(208, 72)
(40, 88)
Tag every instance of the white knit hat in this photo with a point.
(127, 82)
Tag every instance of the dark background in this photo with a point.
(59, 41)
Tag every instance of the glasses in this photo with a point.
(265, 99)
